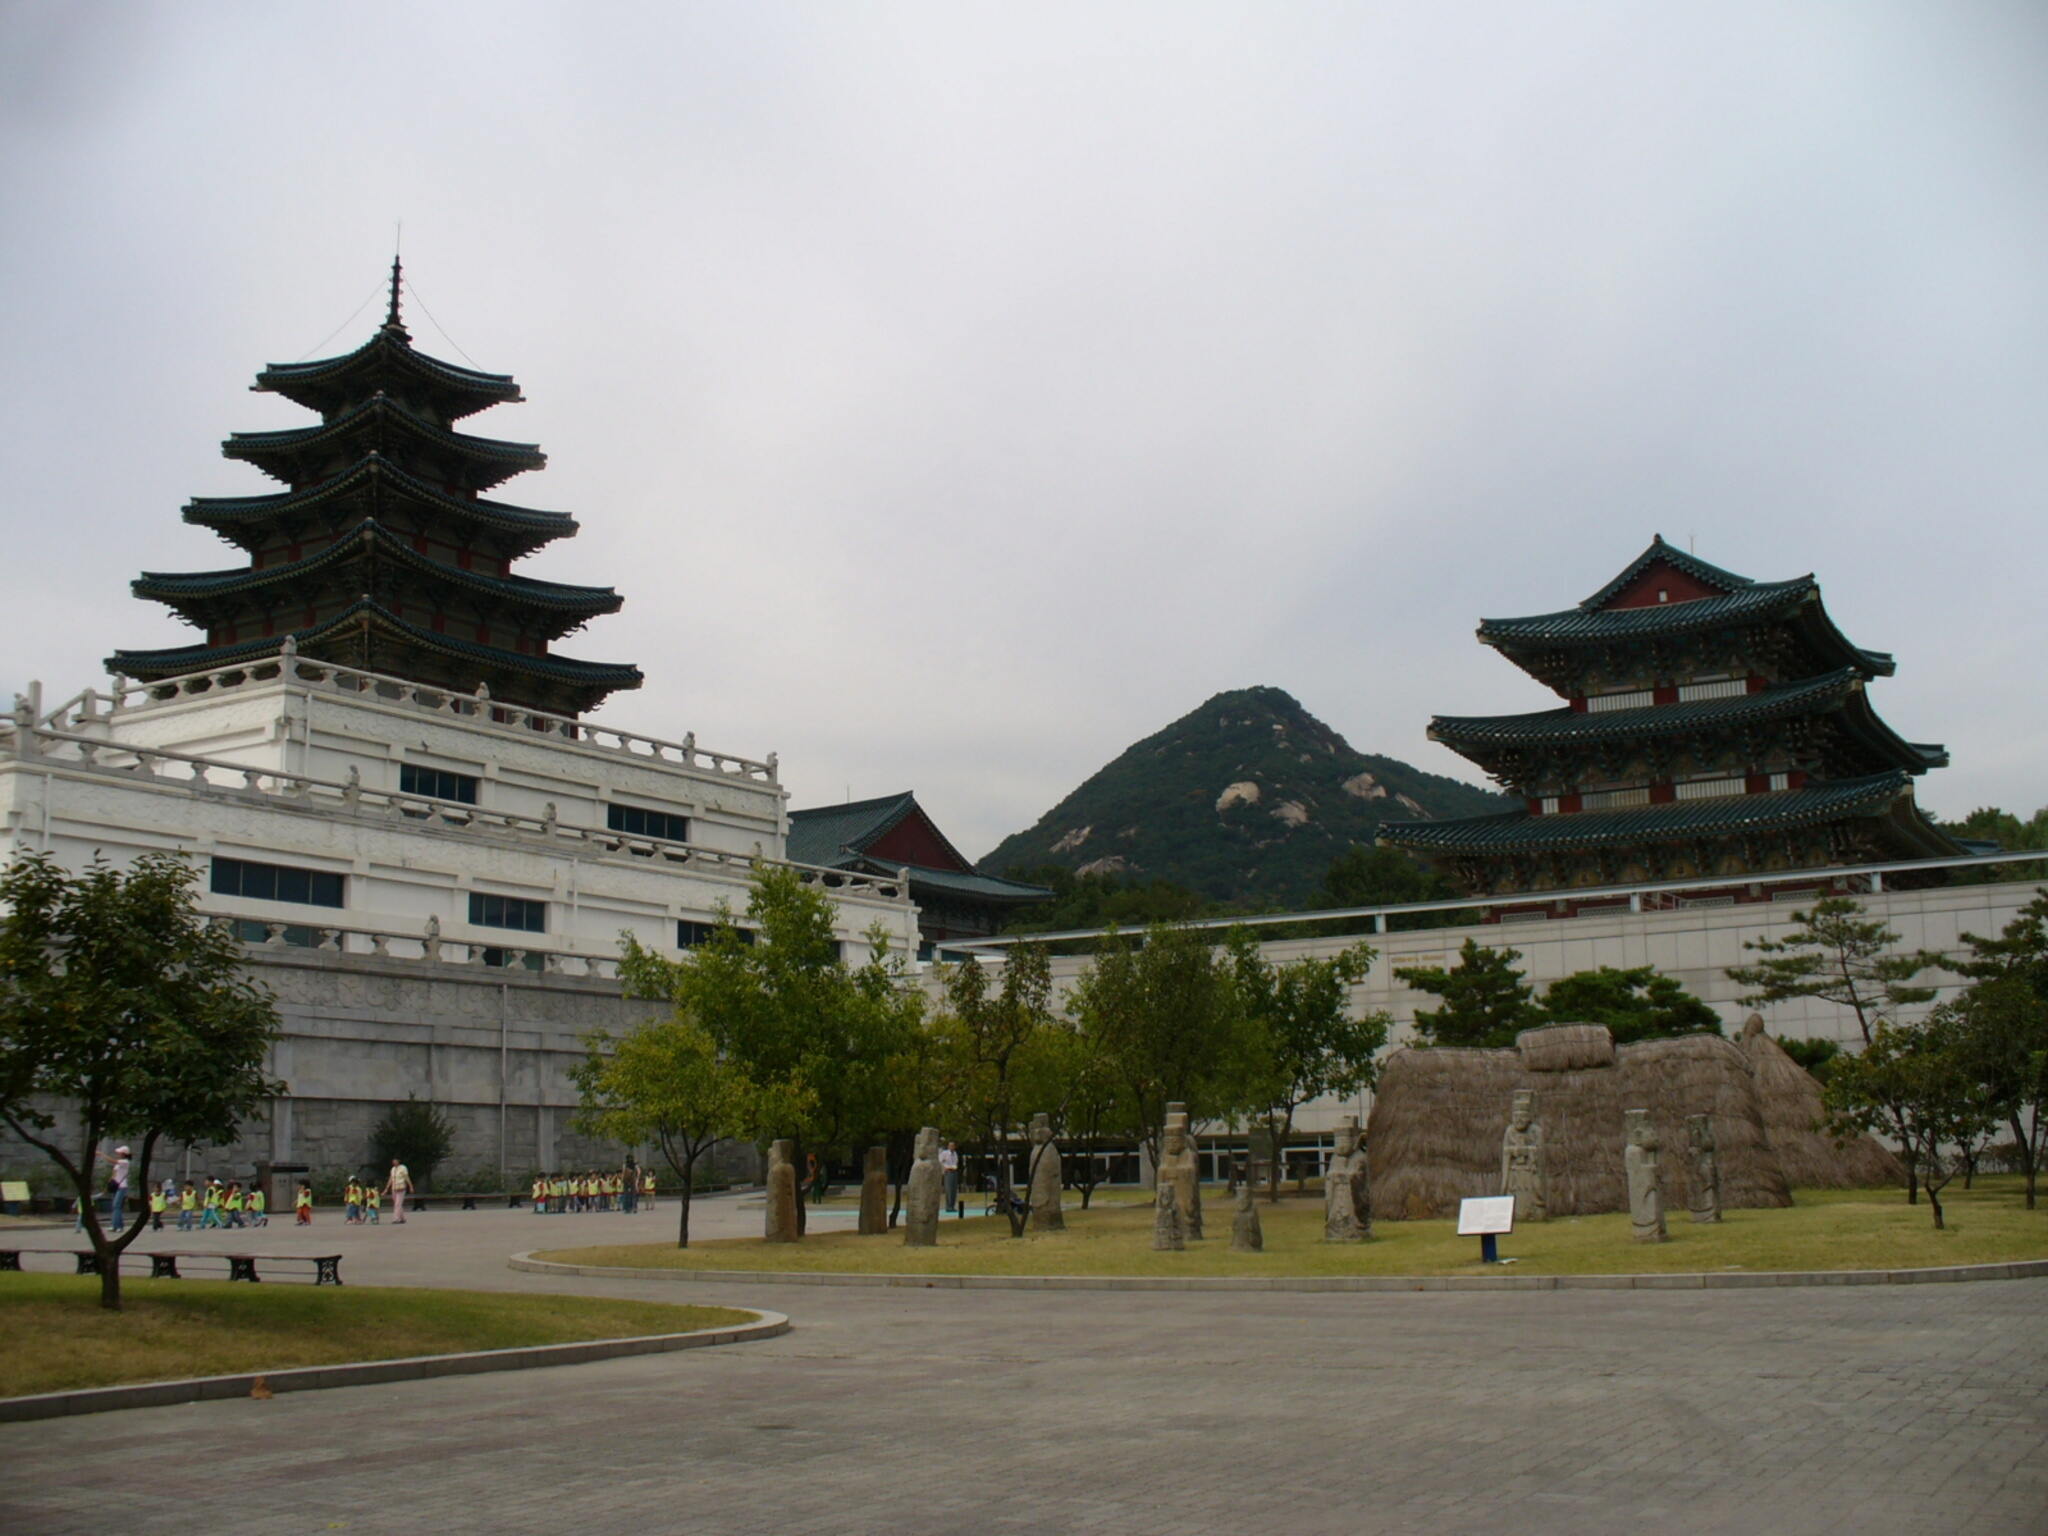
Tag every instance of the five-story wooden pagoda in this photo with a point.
(383, 552)
(1714, 726)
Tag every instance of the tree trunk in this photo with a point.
(683, 1221)
(1934, 1200)
(1279, 1134)
(2025, 1143)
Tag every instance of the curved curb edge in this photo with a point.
(1725, 1280)
(311, 1378)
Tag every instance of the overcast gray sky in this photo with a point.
(958, 392)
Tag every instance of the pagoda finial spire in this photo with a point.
(391, 320)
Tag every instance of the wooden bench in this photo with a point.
(164, 1266)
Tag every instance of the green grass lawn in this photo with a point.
(59, 1339)
(1826, 1229)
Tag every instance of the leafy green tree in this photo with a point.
(2005, 1011)
(1639, 1003)
(1316, 1047)
(121, 1001)
(997, 1054)
(1164, 1011)
(417, 1134)
(1814, 1055)
(1370, 876)
(1989, 824)
(820, 1036)
(1091, 1115)
(1839, 956)
(1103, 901)
(1486, 1001)
(665, 1083)
(1917, 1081)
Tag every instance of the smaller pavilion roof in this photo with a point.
(1839, 691)
(327, 383)
(1516, 832)
(840, 837)
(495, 459)
(224, 514)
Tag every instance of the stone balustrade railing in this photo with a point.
(206, 775)
(477, 709)
(426, 946)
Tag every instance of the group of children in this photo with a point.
(363, 1202)
(621, 1191)
(212, 1205)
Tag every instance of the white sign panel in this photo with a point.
(1486, 1213)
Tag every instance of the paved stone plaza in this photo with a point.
(1873, 1409)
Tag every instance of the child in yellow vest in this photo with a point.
(259, 1207)
(373, 1198)
(210, 1216)
(188, 1207)
(540, 1196)
(157, 1205)
(231, 1202)
(304, 1204)
(352, 1199)
(647, 1190)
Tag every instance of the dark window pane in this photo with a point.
(488, 911)
(436, 783)
(277, 882)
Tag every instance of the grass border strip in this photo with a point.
(361, 1373)
(1723, 1280)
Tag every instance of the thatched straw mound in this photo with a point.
(1438, 1115)
(1792, 1116)
(1565, 1047)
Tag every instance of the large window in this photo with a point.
(488, 911)
(276, 882)
(436, 783)
(690, 934)
(635, 821)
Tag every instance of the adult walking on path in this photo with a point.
(398, 1186)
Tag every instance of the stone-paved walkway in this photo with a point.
(1872, 1409)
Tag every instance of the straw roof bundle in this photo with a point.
(1792, 1115)
(1438, 1116)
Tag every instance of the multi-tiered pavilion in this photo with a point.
(1713, 726)
(383, 552)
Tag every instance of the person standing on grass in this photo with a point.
(398, 1188)
(949, 1166)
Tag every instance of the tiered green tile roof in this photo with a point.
(380, 554)
(1791, 754)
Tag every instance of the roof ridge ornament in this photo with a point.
(392, 322)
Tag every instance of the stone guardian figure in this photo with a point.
(1347, 1198)
(1246, 1235)
(923, 1193)
(1645, 1199)
(1169, 1232)
(1703, 1194)
(780, 1222)
(1521, 1159)
(1177, 1172)
(874, 1191)
(1046, 1215)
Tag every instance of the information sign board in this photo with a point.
(1486, 1214)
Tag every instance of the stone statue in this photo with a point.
(1521, 1159)
(921, 1195)
(780, 1225)
(1246, 1235)
(1046, 1215)
(1645, 1199)
(1347, 1198)
(1177, 1171)
(1169, 1232)
(1703, 1195)
(874, 1191)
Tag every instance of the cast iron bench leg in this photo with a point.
(164, 1266)
(10, 1258)
(88, 1263)
(330, 1271)
(242, 1268)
